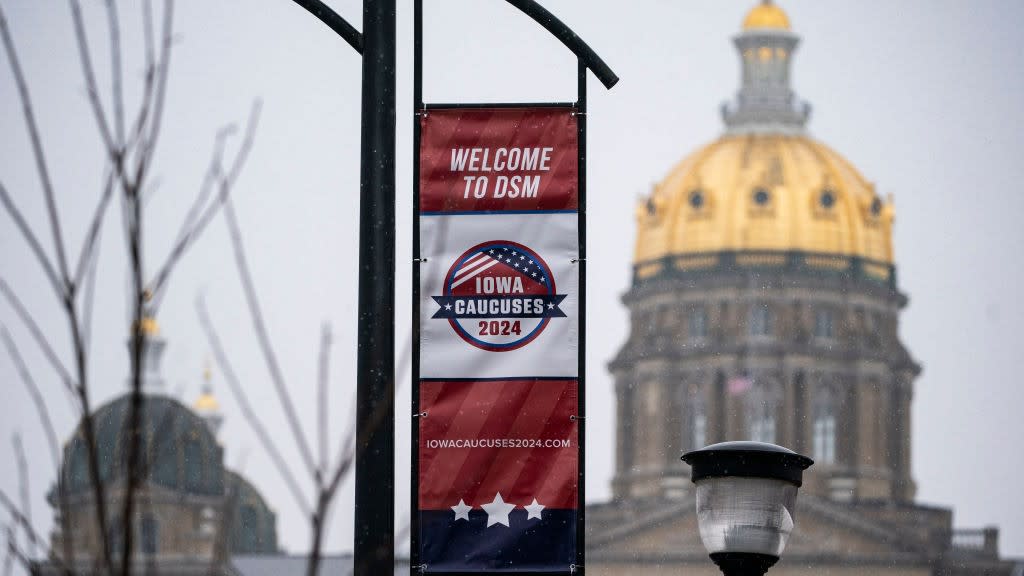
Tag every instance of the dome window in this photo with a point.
(876, 206)
(762, 197)
(696, 199)
(827, 199)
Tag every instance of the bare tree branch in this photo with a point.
(263, 337)
(147, 145)
(138, 344)
(30, 238)
(9, 557)
(116, 89)
(85, 58)
(66, 287)
(149, 76)
(95, 226)
(157, 286)
(37, 335)
(23, 491)
(323, 378)
(48, 431)
(37, 150)
(243, 403)
(22, 521)
(89, 298)
(37, 396)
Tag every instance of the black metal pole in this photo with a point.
(581, 492)
(374, 546)
(414, 464)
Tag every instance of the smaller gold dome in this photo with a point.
(207, 402)
(766, 15)
(149, 326)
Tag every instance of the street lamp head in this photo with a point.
(746, 500)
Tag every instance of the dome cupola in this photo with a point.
(765, 193)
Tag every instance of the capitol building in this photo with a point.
(765, 305)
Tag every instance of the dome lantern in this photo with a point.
(152, 353)
(207, 406)
(766, 101)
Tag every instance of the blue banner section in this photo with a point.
(526, 545)
(531, 306)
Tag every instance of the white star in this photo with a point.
(534, 510)
(550, 306)
(534, 274)
(521, 257)
(505, 249)
(447, 306)
(497, 511)
(461, 511)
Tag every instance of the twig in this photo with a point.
(158, 285)
(209, 179)
(148, 145)
(26, 498)
(9, 557)
(85, 58)
(37, 335)
(95, 227)
(116, 89)
(37, 150)
(48, 431)
(35, 394)
(263, 337)
(21, 520)
(243, 403)
(323, 378)
(89, 298)
(29, 236)
(149, 77)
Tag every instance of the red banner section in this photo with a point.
(498, 159)
(516, 438)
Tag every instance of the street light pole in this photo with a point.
(374, 546)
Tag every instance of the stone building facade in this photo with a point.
(765, 306)
(192, 514)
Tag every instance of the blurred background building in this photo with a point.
(765, 306)
(193, 514)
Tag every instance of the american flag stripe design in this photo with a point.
(491, 508)
(472, 264)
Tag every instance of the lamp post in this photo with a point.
(746, 500)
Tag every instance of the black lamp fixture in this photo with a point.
(746, 500)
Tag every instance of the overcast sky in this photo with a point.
(922, 95)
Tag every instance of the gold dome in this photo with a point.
(766, 15)
(764, 193)
(149, 326)
(206, 403)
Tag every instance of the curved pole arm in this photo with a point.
(334, 22)
(569, 38)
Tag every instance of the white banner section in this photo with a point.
(499, 295)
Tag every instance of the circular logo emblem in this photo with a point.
(499, 296)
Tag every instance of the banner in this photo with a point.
(497, 442)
